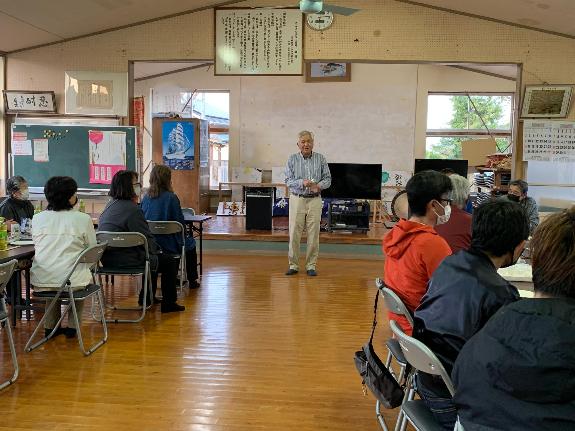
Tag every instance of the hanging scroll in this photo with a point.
(258, 42)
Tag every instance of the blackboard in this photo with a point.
(68, 150)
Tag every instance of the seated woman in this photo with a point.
(122, 214)
(17, 205)
(457, 230)
(60, 234)
(162, 204)
(517, 373)
(518, 193)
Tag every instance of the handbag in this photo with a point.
(375, 375)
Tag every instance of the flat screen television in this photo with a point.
(354, 181)
(458, 166)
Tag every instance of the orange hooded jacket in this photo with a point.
(412, 253)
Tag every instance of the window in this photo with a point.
(213, 106)
(453, 118)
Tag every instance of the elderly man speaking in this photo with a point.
(307, 174)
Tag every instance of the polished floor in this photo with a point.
(254, 350)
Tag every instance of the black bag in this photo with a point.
(376, 377)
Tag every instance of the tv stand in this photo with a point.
(348, 214)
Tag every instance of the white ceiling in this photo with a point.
(550, 15)
(27, 23)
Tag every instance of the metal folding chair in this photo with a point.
(421, 358)
(129, 240)
(6, 272)
(188, 211)
(91, 257)
(395, 305)
(173, 228)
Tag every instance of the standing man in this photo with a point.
(307, 174)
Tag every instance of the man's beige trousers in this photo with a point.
(304, 212)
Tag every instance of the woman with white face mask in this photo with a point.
(17, 205)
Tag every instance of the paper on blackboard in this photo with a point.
(41, 150)
(21, 148)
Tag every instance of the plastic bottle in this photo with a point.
(82, 206)
(3, 234)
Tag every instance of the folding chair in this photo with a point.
(129, 240)
(91, 257)
(395, 305)
(173, 228)
(188, 211)
(6, 272)
(421, 358)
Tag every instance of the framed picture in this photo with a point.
(22, 102)
(327, 72)
(546, 101)
(96, 93)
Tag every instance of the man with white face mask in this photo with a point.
(17, 205)
(413, 249)
(464, 292)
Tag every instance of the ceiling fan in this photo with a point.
(317, 6)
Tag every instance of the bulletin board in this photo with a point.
(258, 41)
(42, 151)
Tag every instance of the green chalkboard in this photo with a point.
(68, 152)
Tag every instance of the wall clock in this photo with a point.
(319, 21)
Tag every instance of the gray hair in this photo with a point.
(305, 133)
(460, 191)
(14, 183)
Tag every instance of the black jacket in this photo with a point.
(463, 293)
(126, 216)
(14, 209)
(518, 373)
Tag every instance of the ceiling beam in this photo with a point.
(486, 18)
(183, 69)
(483, 72)
(122, 27)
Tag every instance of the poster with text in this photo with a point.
(107, 155)
(178, 145)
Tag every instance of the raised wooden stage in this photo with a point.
(233, 228)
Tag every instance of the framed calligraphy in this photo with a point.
(22, 102)
(258, 41)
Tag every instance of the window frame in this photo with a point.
(471, 133)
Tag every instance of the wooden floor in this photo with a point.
(234, 228)
(254, 350)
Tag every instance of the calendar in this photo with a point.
(549, 141)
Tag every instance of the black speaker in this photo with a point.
(259, 208)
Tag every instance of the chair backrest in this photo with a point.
(420, 357)
(92, 255)
(165, 227)
(393, 302)
(188, 211)
(6, 271)
(123, 240)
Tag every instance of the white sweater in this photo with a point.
(59, 238)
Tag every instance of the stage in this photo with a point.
(228, 234)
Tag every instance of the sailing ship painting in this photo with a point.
(178, 145)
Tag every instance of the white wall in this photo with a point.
(379, 117)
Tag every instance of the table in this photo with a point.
(274, 185)
(191, 221)
(18, 253)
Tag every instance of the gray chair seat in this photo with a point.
(395, 349)
(421, 416)
(3, 315)
(78, 294)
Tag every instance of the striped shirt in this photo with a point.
(313, 168)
